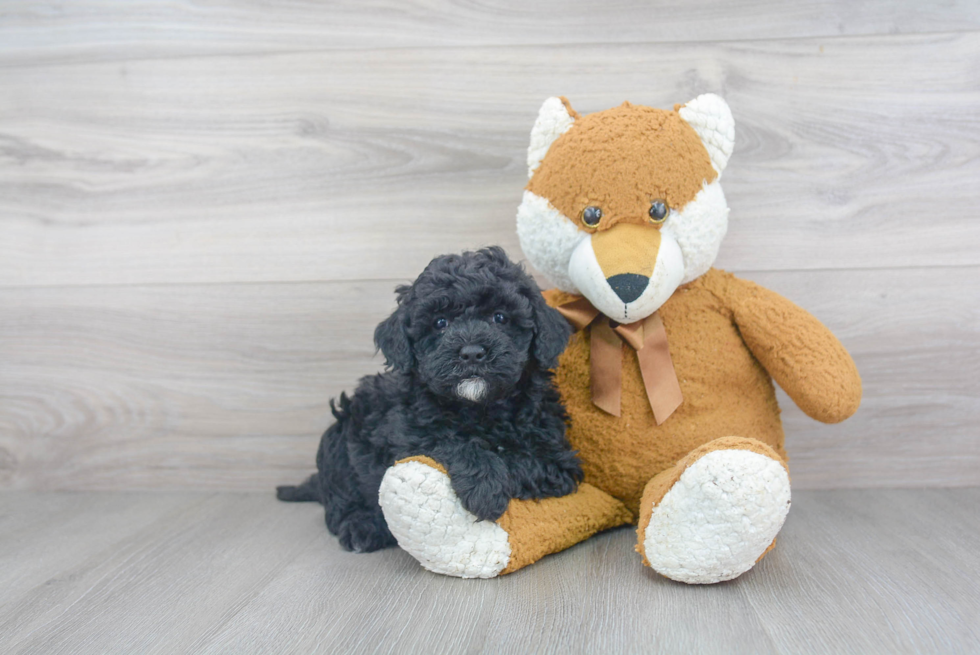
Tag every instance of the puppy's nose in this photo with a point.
(472, 353)
(628, 286)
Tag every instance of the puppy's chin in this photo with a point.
(472, 389)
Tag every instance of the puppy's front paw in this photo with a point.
(485, 499)
(552, 480)
(557, 486)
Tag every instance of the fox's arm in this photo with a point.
(799, 352)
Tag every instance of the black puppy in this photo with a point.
(469, 350)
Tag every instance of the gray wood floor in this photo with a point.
(875, 571)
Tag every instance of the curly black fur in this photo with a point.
(507, 443)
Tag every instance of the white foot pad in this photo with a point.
(718, 519)
(426, 517)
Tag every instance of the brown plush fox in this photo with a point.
(668, 380)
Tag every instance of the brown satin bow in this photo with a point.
(647, 337)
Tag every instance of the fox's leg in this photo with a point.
(715, 513)
(430, 523)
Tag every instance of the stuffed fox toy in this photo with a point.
(668, 380)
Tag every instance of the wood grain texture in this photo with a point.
(204, 207)
(213, 553)
(354, 164)
(117, 387)
(45, 535)
(875, 571)
(119, 30)
(226, 386)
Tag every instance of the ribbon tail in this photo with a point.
(606, 361)
(656, 366)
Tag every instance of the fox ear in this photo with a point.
(554, 119)
(711, 118)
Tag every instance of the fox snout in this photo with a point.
(626, 254)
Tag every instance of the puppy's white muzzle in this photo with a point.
(472, 389)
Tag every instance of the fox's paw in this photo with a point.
(718, 518)
(431, 524)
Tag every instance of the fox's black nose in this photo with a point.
(472, 353)
(628, 286)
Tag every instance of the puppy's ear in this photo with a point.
(391, 337)
(551, 332)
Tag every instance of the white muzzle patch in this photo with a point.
(472, 389)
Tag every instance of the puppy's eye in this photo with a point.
(659, 211)
(440, 323)
(591, 216)
(500, 317)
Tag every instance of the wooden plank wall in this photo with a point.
(204, 208)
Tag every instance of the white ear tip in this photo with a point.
(552, 104)
(711, 118)
(553, 121)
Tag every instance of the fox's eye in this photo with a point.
(658, 211)
(591, 216)
(500, 317)
(440, 323)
